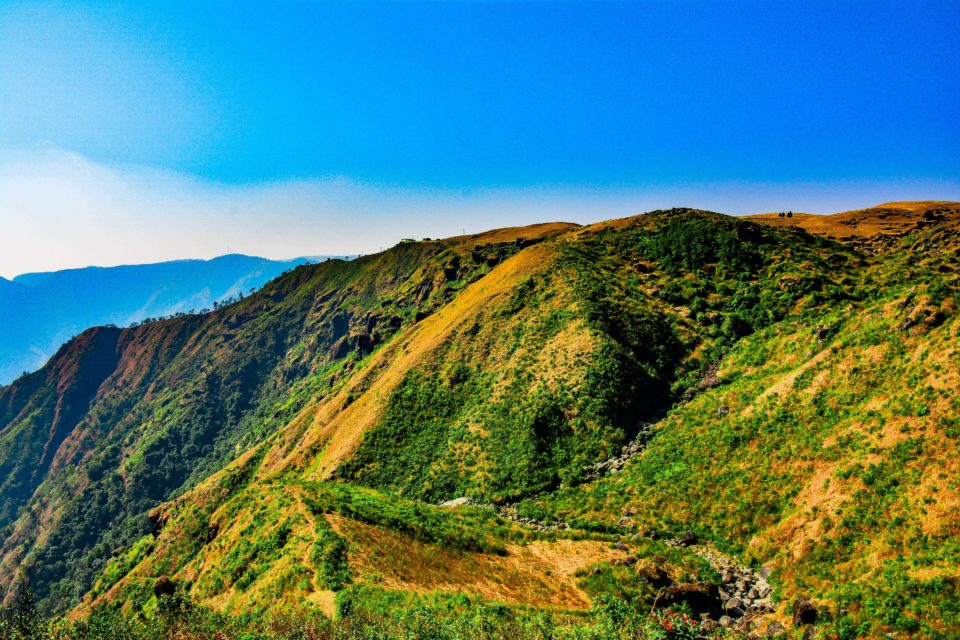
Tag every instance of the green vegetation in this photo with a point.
(274, 469)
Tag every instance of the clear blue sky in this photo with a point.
(492, 95)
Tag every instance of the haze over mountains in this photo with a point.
(40, 311)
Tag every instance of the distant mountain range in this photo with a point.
(41, 311)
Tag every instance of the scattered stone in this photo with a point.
(619, 546)
(615, 464)
(725, 621)
(775, 629)
(822, 333)
(625, 521)
(804, 612)
(734, 607)
(765, 571)
(723, 410)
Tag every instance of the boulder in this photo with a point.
(701, 597)
(451, 269)
(688, 539)
(734, 608)
(365, 344)
(164, 586)
(654, 576)
(804, 612)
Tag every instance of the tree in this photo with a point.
(22, 621)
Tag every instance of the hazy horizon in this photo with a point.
(156, 131)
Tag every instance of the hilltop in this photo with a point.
(556, 427)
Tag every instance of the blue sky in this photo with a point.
(522, 110)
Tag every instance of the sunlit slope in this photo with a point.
(121, 420)
(529, 375)
(873, 228)
(828, 449)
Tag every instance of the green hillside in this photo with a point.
(671, 425)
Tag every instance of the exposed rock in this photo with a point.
(775, 629)
(654, 575)
(455, 502)
(158, 519)
(701, 597)
(340, 348)
(339, 325)
(688, 539)
(364, 344)
(804, 612)
(164, 586)
(936, 319)
(615, 464)
(734, 608)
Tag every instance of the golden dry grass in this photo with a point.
(540, 573)
(890, 219)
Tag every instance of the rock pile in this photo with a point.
(743, 590)
(618, 462)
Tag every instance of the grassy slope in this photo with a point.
(507, 386)
(837, 458)
(543, 366)
(173, 401)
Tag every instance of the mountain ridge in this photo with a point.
(42, 310)
(338, 406)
